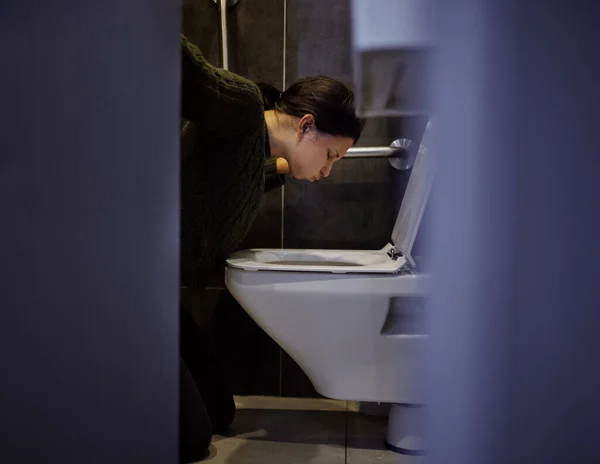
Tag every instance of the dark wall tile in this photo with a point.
(256, 40)
(250, 357)
(318, 39)
(352, 209)
(266, 230)
(294, 382)
(255, 36)
(200, 304)
(200, 24)
(356, 206)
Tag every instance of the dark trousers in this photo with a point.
(206, 403)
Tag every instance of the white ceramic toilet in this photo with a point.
(351, 319)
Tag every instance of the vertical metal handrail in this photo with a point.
(224, 34)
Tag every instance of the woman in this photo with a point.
(241, 143)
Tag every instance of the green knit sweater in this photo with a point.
(225, 164)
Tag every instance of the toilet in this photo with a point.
(351, 319)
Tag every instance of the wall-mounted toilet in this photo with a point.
(351, 319)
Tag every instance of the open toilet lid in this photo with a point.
(415, 200)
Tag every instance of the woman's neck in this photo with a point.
(276, 134)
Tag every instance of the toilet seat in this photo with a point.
(320, 261)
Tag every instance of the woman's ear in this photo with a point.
(306, 127)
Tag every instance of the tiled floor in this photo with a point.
(271, 430)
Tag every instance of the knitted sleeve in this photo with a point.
(217, 101)
(272, 179)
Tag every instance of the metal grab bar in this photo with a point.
(371, 152)
(397, 148)
(223, 4)
(398, 153)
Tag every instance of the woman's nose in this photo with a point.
(326, 170)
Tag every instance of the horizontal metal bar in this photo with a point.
(372, 152)
(398, 148)
(398, 154)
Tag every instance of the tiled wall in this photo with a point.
(354, 208)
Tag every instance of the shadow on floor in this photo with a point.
(294, 436)
(309, 427)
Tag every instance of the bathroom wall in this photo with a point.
(278, 41)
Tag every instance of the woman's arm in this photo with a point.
(214, 99)
(275, 168)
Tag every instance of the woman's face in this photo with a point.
(314, 152)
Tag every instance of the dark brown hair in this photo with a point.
(331, 102)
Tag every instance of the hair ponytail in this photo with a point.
(330, 101)
(270, 95)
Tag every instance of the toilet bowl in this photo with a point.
(351, 319)
(353, 335)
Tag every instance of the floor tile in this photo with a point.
(283, 430)
(263, 451)
(366, 441)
